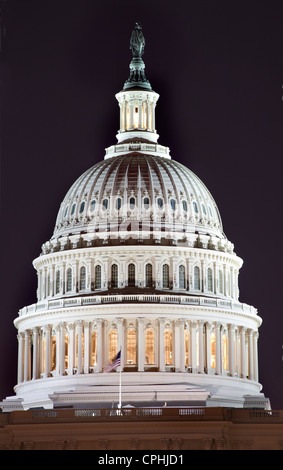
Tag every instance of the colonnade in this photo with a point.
(159, 344)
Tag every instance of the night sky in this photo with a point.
(217, 66)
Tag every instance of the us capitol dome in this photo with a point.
(138, 262)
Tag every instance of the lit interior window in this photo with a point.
(149, 347)
(131, 347)
(113, 344)
(168, 348)
(136, 117)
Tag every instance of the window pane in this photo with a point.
(114, 275)
(159, 203)
(185, 207)
(182, 277)
(131, 347)
(209, 279)
(165, 272)
(69, 280)
(195, 207)
(149, 347)
(146, 203)
(131, 275)
(132, 203)
(118, 203)
(82, 278)
(97, 281)
(92, 205)
(73, 209)
(105, 204)
(173, 204)
(196, 278)
(113, 344)
(57, 282)
(82, 208)
(168, 348)
(148, 275)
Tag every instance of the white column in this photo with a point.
(86, 347)
(20, 357)
(71, 331)
(193, 345)
(120, 345)
(208, 327)
(182, 344)
(251, 355)
(35, 358)
(141, 344)
(255, 356)
(62, 350)
(79, 329)
(177, 345)
(27, 356)
(243, 352)
(200, 347)
(231, 339)
(57, 330)
(161, 345)
(99, 345)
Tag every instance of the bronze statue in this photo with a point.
(137, 42)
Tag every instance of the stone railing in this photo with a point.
(138, 298)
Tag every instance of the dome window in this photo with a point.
(92, 205)
(73, 209)
(131, 275)
(98, 276)
(196, 278)
(185, 206)
(173, 204)
(132, 203)
(165, 276)
(146, 203)
(204, 209)
(82, 207)
(210, 211)
(195, 207)
(105, 204)
(82, 278)
(159, 203)
(118, 203)
(66, 211)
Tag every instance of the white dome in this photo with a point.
(156, 192)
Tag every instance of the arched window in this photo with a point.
(92, 205)
(97, 281)
(165, 276)
(118, 203)
(149, 347)
(195, 207)
(131, 347)
(159, 203)
(105, 204)
(209, 280)
(185, 206)
(82, 278)
(82, 207)
(69, 279)
(73, 209)
(132, 203)
(196, 278)
(146, 203)
(131, 275)
(53, 352)
(48, 285)
(66, 351)
(182, 283)
(148, 275)
(220, 282)
(168, 347)
(173, 204)
(66, 211)
(114, 275)
(57, 289)
(113, 345)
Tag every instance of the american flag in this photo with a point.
(114, 364)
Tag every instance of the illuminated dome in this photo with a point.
(138, 263)
(135, 188)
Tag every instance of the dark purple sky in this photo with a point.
(217, 66)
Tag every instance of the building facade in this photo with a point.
(138, 263)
